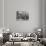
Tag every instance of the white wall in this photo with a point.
(44, 18)
(1, 14)
(34, 9)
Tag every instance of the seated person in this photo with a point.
(13, 34)
(34, 36)
(10, 36)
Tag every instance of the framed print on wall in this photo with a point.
(22, 15)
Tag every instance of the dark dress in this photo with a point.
(5, 37)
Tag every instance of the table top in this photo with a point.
(21, 39)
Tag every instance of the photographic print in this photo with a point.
(22, 15)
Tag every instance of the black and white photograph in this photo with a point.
(22, 22)
(23, 15)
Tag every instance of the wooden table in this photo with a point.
(18, 39)
(24, 44)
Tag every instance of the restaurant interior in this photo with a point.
(22, 22)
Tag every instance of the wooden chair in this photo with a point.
(1, 41)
